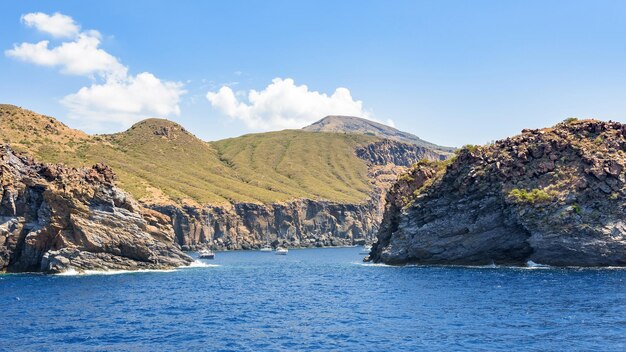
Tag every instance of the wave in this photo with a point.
(69, 272)
(74, 272)
(199, 264)
(375, 264)
(532, 265)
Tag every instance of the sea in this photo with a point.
(315, 300)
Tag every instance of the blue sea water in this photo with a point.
(316, 299)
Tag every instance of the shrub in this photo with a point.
(470, 147)
(533, 196)
(405, 177)
(570, 120)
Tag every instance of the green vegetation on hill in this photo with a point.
(300, 164)
(158, 161)
(40, 135)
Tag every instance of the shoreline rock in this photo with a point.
(301, 223)
(54, 218)
(554, 196)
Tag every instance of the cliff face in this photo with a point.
(400, 154)
(301, 223)
(554, 196)
(54, 218)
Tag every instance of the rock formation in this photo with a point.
(387, 152)
(54, 218)
(300, 223)
(553, 196)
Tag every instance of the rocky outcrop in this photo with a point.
(54, 219)
(397, 153)
(300, 223)
(554, 196)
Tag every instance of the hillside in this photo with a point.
(553, 196)
(39, 135)
(300, 165)
(158, 161)
(351, 124)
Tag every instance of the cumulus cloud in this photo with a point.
(82, 56)
(114, 96)
(283, 104)
(57, 25)
(124, 101)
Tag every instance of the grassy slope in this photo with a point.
(176, 166)
(40, 135)
(300, 164)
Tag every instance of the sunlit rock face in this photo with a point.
(54, 218)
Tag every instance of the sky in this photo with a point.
(450, 72)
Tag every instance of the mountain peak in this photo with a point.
(157, 127)
(353, 124)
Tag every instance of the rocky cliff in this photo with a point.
(54, 218)
(553, 196)
(386, 152)
(300, 223)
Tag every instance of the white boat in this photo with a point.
(266, 249)
(206, 254)
(281, 251)
(366, 249)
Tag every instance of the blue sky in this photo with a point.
(451, 72)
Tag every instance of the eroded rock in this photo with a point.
(555, 196)
(54, 218)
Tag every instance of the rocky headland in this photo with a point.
(553, 196)
(55, 218)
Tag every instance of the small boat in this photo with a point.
(366, 249)
(281, 251)
(266, 249)
(206, 254)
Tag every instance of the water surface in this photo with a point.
(316, 299)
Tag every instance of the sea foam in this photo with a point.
(532, 265)
(199, 264)
(74, 272)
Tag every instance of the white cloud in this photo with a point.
(79, 57)
(57, 25)
(125, 101)
(283, 104)
(114, 98)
